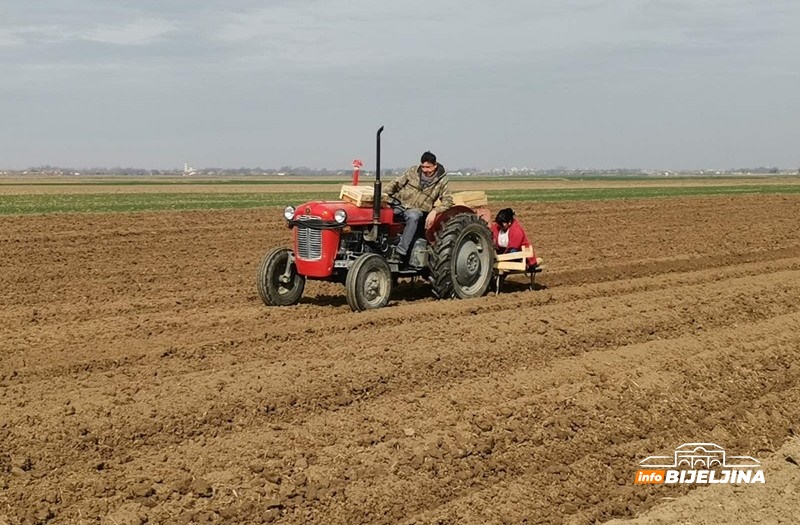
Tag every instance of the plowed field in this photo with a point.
(142, 381)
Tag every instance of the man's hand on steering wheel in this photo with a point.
(395, 203)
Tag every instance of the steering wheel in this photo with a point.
(395, 203)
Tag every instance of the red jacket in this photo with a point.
(516, 238)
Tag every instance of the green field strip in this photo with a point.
(182, 182)
(138, 202)
(549, 195)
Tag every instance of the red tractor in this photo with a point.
(341, 242)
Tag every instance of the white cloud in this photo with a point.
(138, 32)
(359, 33)
(8, 39)
(46, 34)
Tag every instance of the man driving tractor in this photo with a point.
(349, 243)
(417, 190)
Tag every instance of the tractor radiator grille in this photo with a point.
(309, 243)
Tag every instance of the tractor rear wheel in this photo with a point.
(462, 258)
(275, 286)
(368, 283)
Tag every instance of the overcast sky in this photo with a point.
(576, 83)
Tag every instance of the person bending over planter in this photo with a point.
(509, 236)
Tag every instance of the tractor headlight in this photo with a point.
(288, 212)
(340, 216)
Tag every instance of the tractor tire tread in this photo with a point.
(441, 253)
(267, 291)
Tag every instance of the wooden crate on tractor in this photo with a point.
(472, 199)
(361, 196)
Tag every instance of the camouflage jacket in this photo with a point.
(409, 190)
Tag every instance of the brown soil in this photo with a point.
(142, 381)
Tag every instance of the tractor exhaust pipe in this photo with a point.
(376, 196)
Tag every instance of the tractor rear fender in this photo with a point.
(443, 217)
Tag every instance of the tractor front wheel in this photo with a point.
(278, 282)
(368, 283)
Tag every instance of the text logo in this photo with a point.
(699, 463)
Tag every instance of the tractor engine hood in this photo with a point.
(325, 211)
